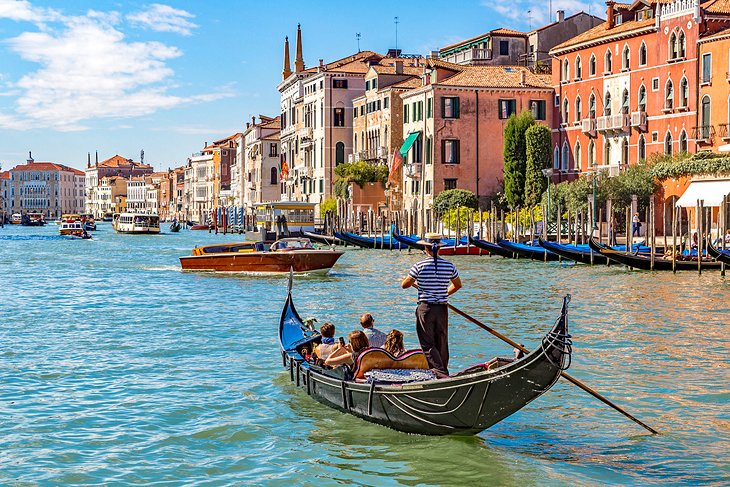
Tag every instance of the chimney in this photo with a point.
(286, 72)
(399, 67)
(97, 158)
(609, 14)
(30, 158)
(523, 77)
(253, 120)
(88, 159)
(560, 16)
(299, 61)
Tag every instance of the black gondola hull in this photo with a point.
(643, 262)
(463, 405)
(574, 254)
(719, 254)
(490, 247)
(538, 253)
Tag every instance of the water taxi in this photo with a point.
(16, 219)
(33, 219)
(130, 222)
(260, 258)
(71, 228)
(276, 219)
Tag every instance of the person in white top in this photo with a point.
(376, 338)
(328, 345)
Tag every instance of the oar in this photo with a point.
(565, 376)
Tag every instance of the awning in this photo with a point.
(724, 148)
(408, 143)
(711, 192)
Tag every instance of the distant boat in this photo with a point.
(644, 262)
(534, 252)
(16, 219)
(175, 226)
(136, 223)
(33, 220)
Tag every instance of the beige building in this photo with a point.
(114, 166)
(261, 162)
(46, 187)
(5, 202)
(110, 193)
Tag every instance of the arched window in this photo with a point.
(642, 99)
(566, 157)
(578, 109)
(607, 104)
(705, 114)
(673, 46)
(556, 158)
(668, 143)
(591, 153)
(339, 153)
(592, 65)
(578, 68)
(683, 93)
(273, 176)
(576, 155)
(565, 110)
(608, 62)
(592, 106)
(625, 102)
(626, 58)
(683, 146)
(642, 147)
(606, 151)
(566, 70)
(624, 151)
(642, 54)
(681, 45)
(669, 95)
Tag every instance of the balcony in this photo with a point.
(375, 154)
(638, 120)
(704, 134)
(613, 123)
(722, 131)
(413, 171)
(588, 126)
(470, 56)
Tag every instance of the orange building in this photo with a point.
(714, 108)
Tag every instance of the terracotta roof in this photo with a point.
(715, 35)
(218, 143)
(409, 84)
(438, 63)
(507, 32)
(349, 62)
(600, 32)
(46, 166)
(407, 70)
(718, 7)
(5, 175)
(118, 160)
(272, 124)
(497, 77)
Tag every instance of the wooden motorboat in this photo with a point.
(252, 257)
(463, 404)
(492, 248)
(534, 252)
(643, 261)
(719, 254)
(464, 247)
(574, 253)
(199, 226)
(323, 239)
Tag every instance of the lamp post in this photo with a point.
(593, 213)
(548, 173)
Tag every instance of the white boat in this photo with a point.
(71, 228)
(16, 219)
(136, 223)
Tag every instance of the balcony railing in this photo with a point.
(588, 126)
(704, 134)
(638, 120)
(722, 131)
(474, 55)
(613, 123)
(413, 170)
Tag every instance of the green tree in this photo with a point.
(538, 140)
(454, 198)
(515, 157)
(330, 204)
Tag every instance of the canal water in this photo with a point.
(117, 368)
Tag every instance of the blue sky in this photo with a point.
(117, 77)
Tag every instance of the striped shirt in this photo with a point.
(433, 281)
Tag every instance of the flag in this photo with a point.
(395, 164)
(283, 171)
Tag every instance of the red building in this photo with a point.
(629, 87)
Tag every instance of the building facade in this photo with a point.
(114, 166)
(46, 187)
(261, 173)
(714, 96)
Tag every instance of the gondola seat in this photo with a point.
(377, 358)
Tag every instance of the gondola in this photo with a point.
(324, 239)
(384, 242)
(643, 262)
(175, 226)
(534, 252)
(463, 404)
(574, 253)
(719, 254)
(492, 248)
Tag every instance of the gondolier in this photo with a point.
(436, 279)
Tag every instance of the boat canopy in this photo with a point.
(711, 192)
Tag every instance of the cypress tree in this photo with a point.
(538, 140)
(515, 157)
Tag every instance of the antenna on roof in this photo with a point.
(141, 156)
(395, 20)
(358, 36)
(550, 11)
(529, 18)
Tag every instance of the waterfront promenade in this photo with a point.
(120, 369)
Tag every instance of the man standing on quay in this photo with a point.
(436, 280)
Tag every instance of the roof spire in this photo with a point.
(88, 159)
(287, 65)
(299, 61)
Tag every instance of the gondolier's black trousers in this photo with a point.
(432, 327)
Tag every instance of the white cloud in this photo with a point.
(539, 13)
(22, 10)
(87, 71)
(163, 18)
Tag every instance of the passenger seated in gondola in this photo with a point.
(695, 240)
(328, 345)
(349, 353)
(394, 343)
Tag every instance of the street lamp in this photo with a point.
(593, 213)
(548, 173)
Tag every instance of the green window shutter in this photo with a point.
(405, 113)
(456, 106)
(429, 108)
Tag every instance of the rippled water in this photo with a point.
(118, 368)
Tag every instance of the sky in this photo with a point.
(80, 76)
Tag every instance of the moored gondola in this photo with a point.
(719, 254)
(324, 239)
(464, 404)
(534, 252)
(385, 242)
(492, 248)
(574, 253)
(643, 261)
(464, 247)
